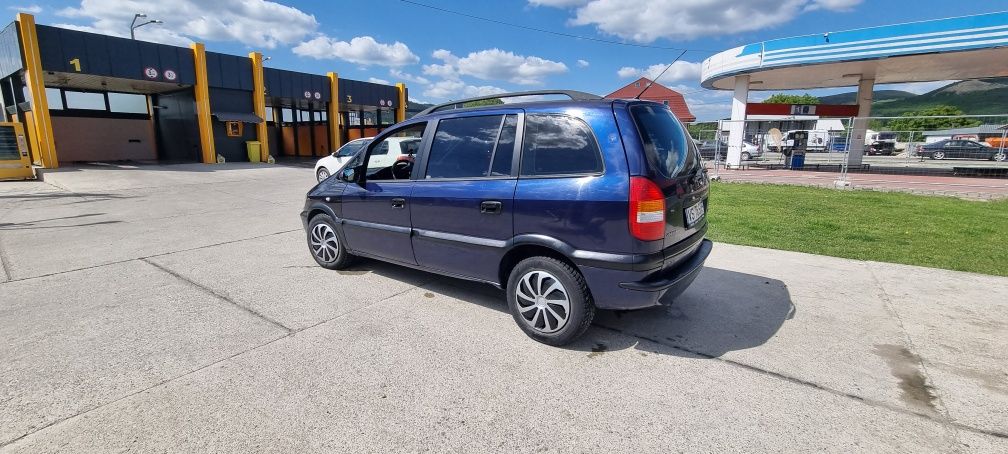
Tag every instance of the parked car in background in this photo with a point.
(710, 148)
(329, 164)
(522, 196)
(960, 149)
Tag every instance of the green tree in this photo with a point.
(784, 98)
(702, 131)
(911, 124)
(483, 102)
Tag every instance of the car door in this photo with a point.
(976, 150)
(463, 197)
(954, 149)
(376, 207)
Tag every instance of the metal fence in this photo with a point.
(894, 149)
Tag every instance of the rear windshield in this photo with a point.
(665, 141)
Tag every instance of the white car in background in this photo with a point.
(329, 164)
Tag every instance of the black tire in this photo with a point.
(746, 156)
(326, 245)
(1000, 156)
(938, 155)
(322, 174)
(580, 303)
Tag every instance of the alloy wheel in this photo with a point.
(323, 173)
(938, 155)
(324, 243)
(542, 301)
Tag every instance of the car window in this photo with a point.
(505, 147)
(350, 148)
(464, 147)
(558, 145)
(664, 140)
(382, 165)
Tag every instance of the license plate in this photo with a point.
(694, 214)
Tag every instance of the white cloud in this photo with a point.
(833, 5)
(400, 75)
(362, 49)
(376, 80)
(255, 23)
(647, 20)
(582, 63)
(680, 70)
(30, 9)
(456, 89)
(494, 64)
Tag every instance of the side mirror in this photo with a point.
(349, 175)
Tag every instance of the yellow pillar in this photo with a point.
(335, 139)
(259, 104)
(42, 133)
(202, 93)
(401, 107)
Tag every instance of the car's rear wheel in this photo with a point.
(325, 245)
(746, 156)
(549, 300)
(1000, 156)
(939, 155)
(322, 174)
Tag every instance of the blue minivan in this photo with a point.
(568, 205)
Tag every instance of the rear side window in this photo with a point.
(472, 147)
(559, 145)
(665, 142)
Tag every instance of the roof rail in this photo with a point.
(574, 96)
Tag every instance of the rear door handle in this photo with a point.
(490, 207)
(398, 202)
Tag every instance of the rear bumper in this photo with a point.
(626, 290)
(673, 277)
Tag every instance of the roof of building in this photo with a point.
(656, 92)
(982, 129)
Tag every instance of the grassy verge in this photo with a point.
(940, 232)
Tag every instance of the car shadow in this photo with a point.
(722, 311)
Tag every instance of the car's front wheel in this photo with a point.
(549, 300)
(322, 174)
(939, 155)
(746, 156)
(325, 245)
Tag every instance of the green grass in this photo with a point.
(940, 232)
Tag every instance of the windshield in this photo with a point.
(665, 140)
(351, 148)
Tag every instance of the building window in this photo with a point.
(665, 101)
(127, 103)
(636, 84)
(84, 100)
(53, 98)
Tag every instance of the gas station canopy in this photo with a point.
(968, 47)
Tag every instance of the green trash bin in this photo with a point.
(254, 149)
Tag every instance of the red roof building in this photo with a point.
(658, 93)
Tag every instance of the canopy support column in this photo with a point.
(736, 129)
(859, 127)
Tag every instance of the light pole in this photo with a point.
(134, 25)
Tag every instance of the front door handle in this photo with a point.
(490, 207)
(398, 202)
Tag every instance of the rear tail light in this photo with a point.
(647, 210)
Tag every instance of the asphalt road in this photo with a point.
(176, 309)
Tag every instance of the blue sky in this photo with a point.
(444, 56)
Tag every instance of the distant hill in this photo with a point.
(880, 96)
(977, 97)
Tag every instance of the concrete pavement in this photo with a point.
(176, 308)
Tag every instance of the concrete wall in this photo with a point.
(103, 139)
